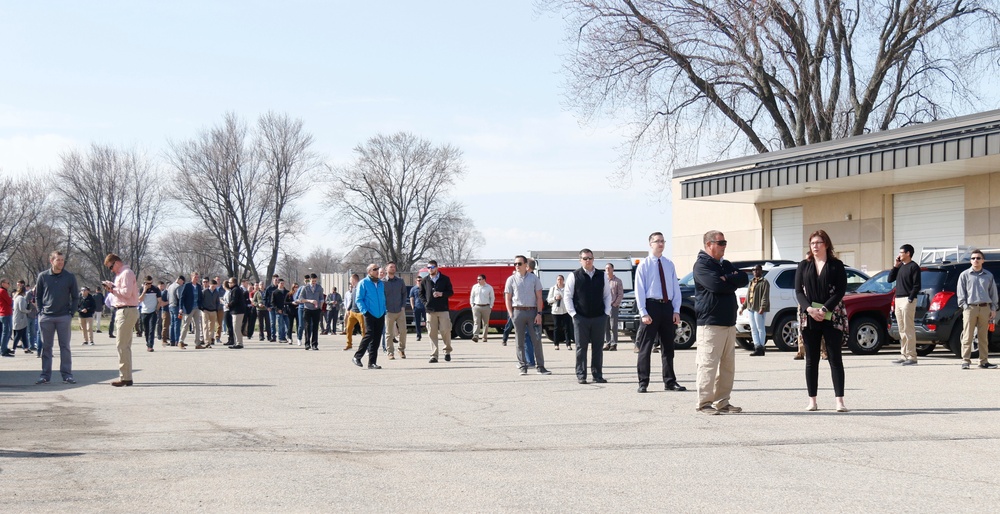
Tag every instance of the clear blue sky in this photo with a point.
(484, 76)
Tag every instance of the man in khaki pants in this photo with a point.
(977, 297)
(716, 281)
(396, 294)
(125, 293)
(906, 274)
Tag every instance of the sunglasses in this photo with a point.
(586, 258)
(431, 267)
(519, 264)
(721, 242)
(976, 259)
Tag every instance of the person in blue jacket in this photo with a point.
(370, 299)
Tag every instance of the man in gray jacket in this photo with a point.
(58, 296)
(395, 317)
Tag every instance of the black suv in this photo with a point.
(687, 329)
(938, 319)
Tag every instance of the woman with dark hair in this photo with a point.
(19, 319)
(234, 302)
(820, 284)
(149, 301)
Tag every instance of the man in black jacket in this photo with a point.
(716, 281)
(436, 290)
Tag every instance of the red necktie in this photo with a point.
(663, 280)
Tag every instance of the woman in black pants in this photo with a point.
(820, 283)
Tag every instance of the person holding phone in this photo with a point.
(820, 284)
(906, 274)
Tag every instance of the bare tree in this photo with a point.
(182, 251)
(23, 203)
(219, 179)
(463, 244)
(394, 196)
(284, 151)
(241, 187)
(112, 199)
(715, 76)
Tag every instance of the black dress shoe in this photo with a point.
(433, 360)
(447, 357)
(582, 380)
(675, 387)
(374, 366)
(315, 347)
(642, 389)
(600, 381)
(357, 362)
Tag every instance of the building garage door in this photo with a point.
(928, 218)
(787, 241)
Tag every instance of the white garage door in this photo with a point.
(787, 241)
(928, 218)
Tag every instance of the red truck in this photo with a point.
(462, 280)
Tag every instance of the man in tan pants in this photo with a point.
(716, 281)
(906, 274)
(977, 297)
(125, 293)
(396, 295)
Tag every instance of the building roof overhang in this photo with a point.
(957, 147)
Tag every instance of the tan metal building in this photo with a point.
(935, 184)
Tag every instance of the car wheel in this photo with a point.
(786, 333)
(464, 326)
(686, 332)
(955, 343)
(867, 336)
(925, 349)
(746, 344)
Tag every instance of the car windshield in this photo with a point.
(877, 284)
(688, 280)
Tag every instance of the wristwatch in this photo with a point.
(824, 309)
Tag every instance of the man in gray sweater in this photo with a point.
(58, 296)
(395, 317)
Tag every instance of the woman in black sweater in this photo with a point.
(820, 284)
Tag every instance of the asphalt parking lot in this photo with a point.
(272, 428)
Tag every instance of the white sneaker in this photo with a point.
(300, 342)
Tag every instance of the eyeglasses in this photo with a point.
(658, 241)
(816, 242)
(976, 259)
(721, 242)
(586, 258)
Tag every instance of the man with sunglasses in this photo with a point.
(370, 300)
(436, 290)
(523, 299)
(588, 301)
(977, 297)
(658, 300)
(716, 281)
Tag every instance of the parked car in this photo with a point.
(687, 330)
(868, 313)
(938, 320)
(781, 321)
